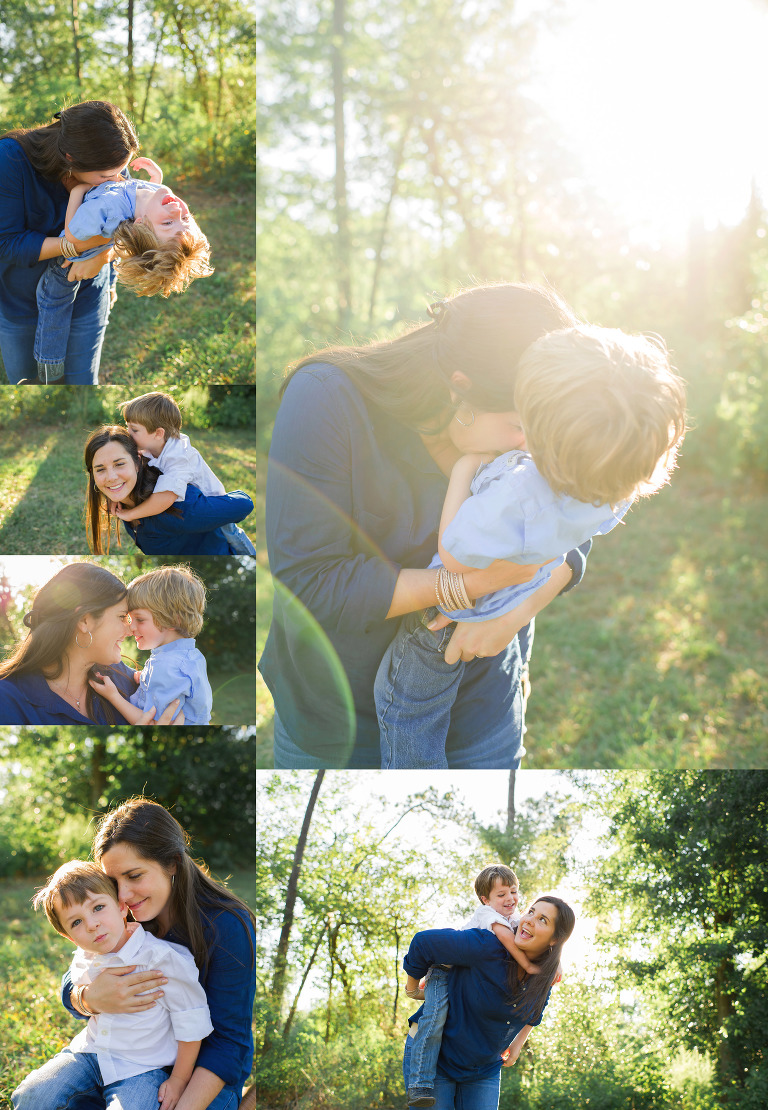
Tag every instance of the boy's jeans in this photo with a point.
(414, 691)
(426, 1044)
(59, 1083)
(478, 1094)
(238, 541)
(55, 301)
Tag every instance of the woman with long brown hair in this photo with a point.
(492, 1003)
(363, 443)
(86, 143)
(119, 475)
(146, 851)
(77, 624)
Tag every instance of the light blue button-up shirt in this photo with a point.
(514, 514)
(176, 670)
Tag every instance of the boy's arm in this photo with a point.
(459, 490)
(505, 935)
(171, 1091)
(108, 690)
(152, 168)
(75, 200)
(155, 504)
(510, 1055)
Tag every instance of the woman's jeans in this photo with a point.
(415, 693)
(476, 1094)
(429, 1035)
(59, 1083)
(90, 315)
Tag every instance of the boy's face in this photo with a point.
(146, 633)
(168, 214)
(153, 442)
(503, 898)
(97, 924)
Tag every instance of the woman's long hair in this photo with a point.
(77, 590)
(98, 522)
(529, 995)
(480, 332)
(196, 898)
(95, 134)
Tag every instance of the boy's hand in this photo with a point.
(126, 514)
(170, 1092)
(152, 168)
(105, 686)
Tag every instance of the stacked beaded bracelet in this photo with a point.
(76, 998)
(451, 592)
(69, 250)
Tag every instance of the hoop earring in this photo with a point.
(83, 646)
(173, 880)
(462, 422)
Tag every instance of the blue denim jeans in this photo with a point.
(474, 1094)
(239, 543)
(55, 302)
(415, 692)
(426, 1044)
(90, 316)
(59, 1083)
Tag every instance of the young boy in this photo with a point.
(123, 1057)
(166, 608)
(160, 247)
(499, 892)
(603, 414)
(153, 421)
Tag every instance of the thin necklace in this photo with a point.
(66, 695)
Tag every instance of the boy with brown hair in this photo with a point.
(125, 1058)
(154, 423)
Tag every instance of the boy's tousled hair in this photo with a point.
(489, 876)
(149, 265)
(175, 597)
(603, 412)
(72, 884)
(92, 135)
(153, 411)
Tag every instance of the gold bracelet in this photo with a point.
(69, 250)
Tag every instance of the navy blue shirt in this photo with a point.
(27, 699)
(352, 497)
(482, 1021)
(197, 528)
(229, 982)
(31, 209)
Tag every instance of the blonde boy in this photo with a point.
(123, 1057)
(166, 608)
(154, 422)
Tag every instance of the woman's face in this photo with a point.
(537, 929)
(143, 884)
(98, 177)
(493, 432)
(114, 471)
(108, 632)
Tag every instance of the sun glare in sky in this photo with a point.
(663, 103)
(25, 570)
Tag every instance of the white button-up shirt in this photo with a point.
(129, 1044)
(183, 465)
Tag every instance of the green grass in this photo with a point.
(42, 482)
(234, 698)
(660, 657)
(33, 1024)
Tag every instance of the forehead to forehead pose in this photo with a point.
(85, 144)
(477, 1015)
(363, 444)
(121, 480)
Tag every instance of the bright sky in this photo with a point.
(23, 570)
(663, 100)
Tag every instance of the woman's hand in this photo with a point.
(120, 990)
(152, 168)
(510, 1055)
(148, 717)
(80, 269)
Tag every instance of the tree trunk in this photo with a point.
(511, 803)
(281, 956)
(131, 90)
(385, 219)
(340, 177)
(75, 9)
(307, 969)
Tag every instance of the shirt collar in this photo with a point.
(183, 644)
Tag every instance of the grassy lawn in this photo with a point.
(33, 1024)
(234, 698)
(204, 335)
(42, 482)
(660, 658)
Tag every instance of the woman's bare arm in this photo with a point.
(200, 1091)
